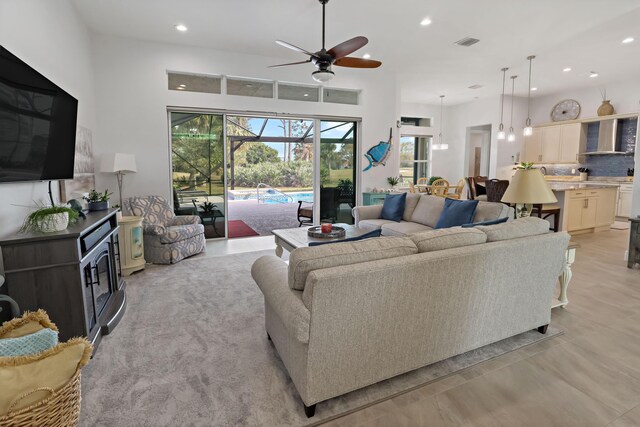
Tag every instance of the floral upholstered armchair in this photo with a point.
(167, 238)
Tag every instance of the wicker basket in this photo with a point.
(61, 409)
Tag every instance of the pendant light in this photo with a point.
(512, 136)
(528, 130)
(440, 145)
(501, 134)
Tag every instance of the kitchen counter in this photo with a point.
(568, 186)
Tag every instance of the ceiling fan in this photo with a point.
(337, 55)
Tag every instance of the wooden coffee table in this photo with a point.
(292, 238)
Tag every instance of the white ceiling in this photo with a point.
(583, 34)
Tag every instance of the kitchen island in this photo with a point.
(586, 207)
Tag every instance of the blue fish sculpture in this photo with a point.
(379, 153)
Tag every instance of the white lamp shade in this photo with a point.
(118, 162)
(528, 186)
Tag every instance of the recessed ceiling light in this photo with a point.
(567, 69)
(593, 74)
(425, 22)
(628, 40)
(181, 27)
(366, 56)
(183, 86)
(533, 89)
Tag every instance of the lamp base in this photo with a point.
(523, 210)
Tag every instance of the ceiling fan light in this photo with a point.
(322, 76)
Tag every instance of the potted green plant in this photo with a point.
(208, 207)
(433, 179)
(49, 219)
(98, 201)
(393, 181)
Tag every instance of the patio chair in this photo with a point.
(305, 213)
(328, 207)
(167, 238)
(182, 210)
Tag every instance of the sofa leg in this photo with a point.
(543, 329)
(309, 411)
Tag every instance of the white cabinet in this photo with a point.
(533, 147)
(624, 200)
(590, 208)
(550, 144)
(570, 136)
(554, 144)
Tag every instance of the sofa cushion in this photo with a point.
(456, 213)
(427, 211)
(410, 205)
(523, 227)
(181, 232)
(403, 228)
(373, 224)
(393, 206)
(490, 210)
(302, 261)
(487, 222)
(447, 238)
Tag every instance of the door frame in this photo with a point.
(317, 119)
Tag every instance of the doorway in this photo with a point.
(478, 152)
(258, 173)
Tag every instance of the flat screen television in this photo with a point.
(37, 124)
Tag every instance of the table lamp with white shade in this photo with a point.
(120, 164)
(527, 188)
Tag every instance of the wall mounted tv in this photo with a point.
(37, 124)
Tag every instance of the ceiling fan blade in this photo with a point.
(290, 63)
(350, 46)
(349, 61)
(293, 47)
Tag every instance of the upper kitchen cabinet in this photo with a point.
(554, 144)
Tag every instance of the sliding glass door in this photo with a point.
(198, 166)
(337, 170)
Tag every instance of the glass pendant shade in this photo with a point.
(322, 76)
(528, 131)
(512, 136)
(501, 133)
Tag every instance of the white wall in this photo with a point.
(49, 36)
(132, 99)
(625, 98)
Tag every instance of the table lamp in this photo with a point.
(527, 188)
(120, 164)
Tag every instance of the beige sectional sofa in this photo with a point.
(347, 315)
(421, 213)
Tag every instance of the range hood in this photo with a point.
(607, 136)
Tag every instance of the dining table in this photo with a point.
(424, 188)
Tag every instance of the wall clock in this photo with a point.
(569, 109)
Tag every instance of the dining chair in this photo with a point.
(440, 187)
(422, 181)
(457, 190)
(412, 188)
(496, 189)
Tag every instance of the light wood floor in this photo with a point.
(590, 376)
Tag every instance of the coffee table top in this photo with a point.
(298, 237)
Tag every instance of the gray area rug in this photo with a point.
(191, 350)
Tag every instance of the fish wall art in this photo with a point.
(379, 153)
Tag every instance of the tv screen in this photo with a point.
(37, 124)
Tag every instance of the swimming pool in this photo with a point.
(275, 197)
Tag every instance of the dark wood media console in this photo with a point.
(73, 274)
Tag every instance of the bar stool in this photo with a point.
(545, 211)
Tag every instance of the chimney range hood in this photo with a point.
(607, 136)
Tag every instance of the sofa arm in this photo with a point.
(366, 212)
(270, 274)
(185, 220)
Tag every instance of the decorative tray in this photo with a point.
(335, 233)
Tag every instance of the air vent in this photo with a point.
(467, 41)
(475, 86)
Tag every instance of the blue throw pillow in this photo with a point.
(374, 233)
(39, 341)
(488, 222)
(393, 207)
(457, 212)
